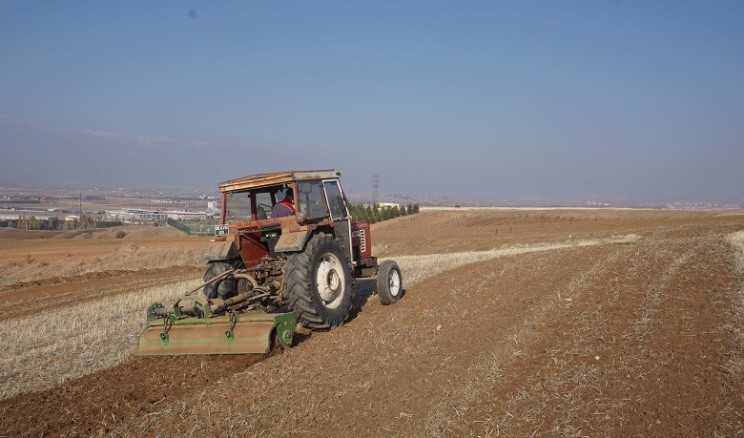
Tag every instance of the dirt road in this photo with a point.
(640, 338)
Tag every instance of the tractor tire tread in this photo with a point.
(303, 299)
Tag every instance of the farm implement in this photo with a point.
(275, 265)
(196, 325)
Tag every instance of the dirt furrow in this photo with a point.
(94, 404)
(34, 298)
(406, 365)
(635, 357)
(624, 339)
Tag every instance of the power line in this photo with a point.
(375, 186)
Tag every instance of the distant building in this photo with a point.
(388, 204)
(186, 215)
(135, 216)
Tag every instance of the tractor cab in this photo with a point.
(319, 205)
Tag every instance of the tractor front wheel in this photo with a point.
(319, 284)
(389, 282)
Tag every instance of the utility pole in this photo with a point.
(375, 186)
(80, 205)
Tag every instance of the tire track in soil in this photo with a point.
(460, 353)
(140, 393)
(463, 346)
(544, 385)
(641, 357)
(398, 364)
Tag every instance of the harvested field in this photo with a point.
(514, 323)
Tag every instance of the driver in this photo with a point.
(284, 207)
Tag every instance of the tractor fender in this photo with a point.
(292, 241)
(223, 250)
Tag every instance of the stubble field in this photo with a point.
(514, 323)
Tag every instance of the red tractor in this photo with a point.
(286, 250)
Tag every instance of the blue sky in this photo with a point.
(489, 100)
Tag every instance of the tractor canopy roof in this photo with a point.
(275, 178)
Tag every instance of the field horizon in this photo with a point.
(100, 198)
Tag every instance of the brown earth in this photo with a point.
(33, 297)
(626, 339)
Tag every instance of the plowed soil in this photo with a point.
(595, 337)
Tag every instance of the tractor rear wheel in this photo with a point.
(224, 288)
(389, 282)
(319, 284)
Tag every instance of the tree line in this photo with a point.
(375, 213)
(54, 223)
(370, 213)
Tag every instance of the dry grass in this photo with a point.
(736, 364)
(578, 358)
(590, 368)
(600, 334)
(127, 257)
(461, 379)
(419, 268)
(44, 351)
(31, 256)
(527, 404)
(736, 240)
(137, 257)
(75, 341)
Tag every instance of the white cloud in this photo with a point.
(93, 133)
(152, 140)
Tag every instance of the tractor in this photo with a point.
(285, 257)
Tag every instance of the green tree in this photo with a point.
(377, 215)
(33, 223)
(396, 211)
